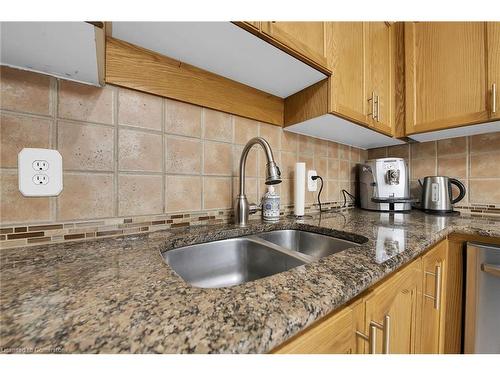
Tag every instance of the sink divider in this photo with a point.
(295, 254)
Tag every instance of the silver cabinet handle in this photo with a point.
(372, 99)
(378, 108)
(386, 330)
(387, 334)
(373, 343)
(492, 269)
(494, 98)
(437, 300)
(437, 287)
(371, 338)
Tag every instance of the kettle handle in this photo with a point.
(461, 187)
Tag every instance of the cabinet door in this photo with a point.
(306, 38)
(493, 35)
(445, 75)
(334, 335)
(380, 75)
(345, 49)
(394, 307)
(434, 265)
(253, 24)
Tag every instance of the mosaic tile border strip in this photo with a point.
(479, 209)
(36, 234)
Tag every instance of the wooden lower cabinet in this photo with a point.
(393, 308)
(347, 330)
(415, 310)
(434, 265)
(336, 334)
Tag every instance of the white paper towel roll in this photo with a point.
(300, 188)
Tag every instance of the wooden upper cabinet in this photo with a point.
(345, 48)
(361, 57)
(305, 38)
(254, 24)
(380, 75)
(395, 307)
(493, 36)
(445, 75)
(434, 265)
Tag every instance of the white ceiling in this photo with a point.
(224, 49)
(462, 131)
(62, 49)
(337, 129)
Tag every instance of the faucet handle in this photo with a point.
(253, 208)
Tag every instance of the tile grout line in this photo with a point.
(202, 157)
(231, 185)
(54, 92)
(467, 168)
(163, 156)
(116, 155)
(27, 114)
(70, 120)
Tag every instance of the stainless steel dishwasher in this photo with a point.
(482, 299)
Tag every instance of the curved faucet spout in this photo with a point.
(273, 176)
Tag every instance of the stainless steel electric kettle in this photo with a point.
(437, 193)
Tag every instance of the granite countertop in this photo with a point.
(118, 295)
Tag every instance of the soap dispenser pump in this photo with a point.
(271, 205)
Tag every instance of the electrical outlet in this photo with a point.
(40, 179)
(312, 185)
(40, 165)
(40, 172)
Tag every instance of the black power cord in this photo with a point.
(314, 178)
(344, 192)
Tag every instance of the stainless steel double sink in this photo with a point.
(238, 260)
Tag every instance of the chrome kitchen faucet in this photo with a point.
(273, 176)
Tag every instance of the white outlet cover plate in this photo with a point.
(27, 172)
(312, 185)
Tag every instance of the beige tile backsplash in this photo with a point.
(140, 194)
(182, 118)
(16, 208)
(474, 160)
(139, 109)
(85, 195)
(183, 155)
(20, 131)
(27, 92)
(218, 126)
(86, 103)
(217, 158)
(140, 151)
(135, 162)
(127, 153)
(86, 146)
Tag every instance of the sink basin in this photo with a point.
(228, 262)
(313, 244)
